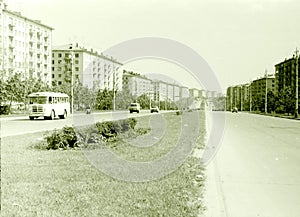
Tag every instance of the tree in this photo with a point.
(104, 100)
(144, 101)
(288, 100)
(123, 99)
(271, 103)
(83, 96)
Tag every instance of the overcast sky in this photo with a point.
(239, 39)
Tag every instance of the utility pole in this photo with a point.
(297, 80)
(72, 79)
(266, 94)
(241, 98)
(250, 87)
(114, 89)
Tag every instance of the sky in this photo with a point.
(239, 39)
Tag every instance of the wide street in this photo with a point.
(256, 170)
(22, 125)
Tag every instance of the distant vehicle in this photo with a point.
(88, 110)
(154, 109)
(134, 107)
(48, 105)
(235, 110)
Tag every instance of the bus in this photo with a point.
(48, 105)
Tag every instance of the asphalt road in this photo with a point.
(256, 171)
(22, 125)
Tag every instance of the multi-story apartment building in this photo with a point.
(137, 84)
(92, 69)
(194, 93)
(233, 97)
(285, 73)
(260, 86)
(160, 90)
(258, 90)
(25, 46)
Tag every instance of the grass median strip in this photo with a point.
(64, 183)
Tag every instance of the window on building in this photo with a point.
(59, 75)
(52, 68)
(59, 61)
(77, 55)
(76, 61)
(77, 76)
(58, 68)
(53, 61)
(59, 83)
(53, 55)
(59, 55)
(53, 76)
(76, 69)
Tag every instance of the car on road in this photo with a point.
(235, 110)
(134, 107)
(88, 110)
(154, 109)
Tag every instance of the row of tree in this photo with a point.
(17, 88)
(281, 103)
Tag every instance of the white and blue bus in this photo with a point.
(48, 105)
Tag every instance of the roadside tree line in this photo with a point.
(15, 90)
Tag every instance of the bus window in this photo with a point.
(50, 99)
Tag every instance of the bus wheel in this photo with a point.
(64, 116)
(31, 118)
(52, 116)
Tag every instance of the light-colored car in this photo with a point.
(134, 107)
(154, 109)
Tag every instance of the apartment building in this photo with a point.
(25, 46)
(285, 73)
(92, 69)
(138, 84)
(260, 85)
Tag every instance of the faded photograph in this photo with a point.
(150, 108)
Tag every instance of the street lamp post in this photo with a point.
(296, 106)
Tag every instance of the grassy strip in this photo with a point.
(64, 183)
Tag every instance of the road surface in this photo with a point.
(256, 171)
(22, 125)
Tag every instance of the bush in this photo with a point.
(64, 138)
(88, 136)
(110, 129)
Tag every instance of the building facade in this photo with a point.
(25, 46)
(92, 69)
(285, 73)
(137, 84)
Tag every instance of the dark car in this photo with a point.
(235, 110)
(154, 109)
(88, 110)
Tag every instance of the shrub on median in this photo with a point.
(84, 137)
(64, 138)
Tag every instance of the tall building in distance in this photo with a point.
(260, 86)
(285, 73)
(246, 97)
(92, 69)
(138, 84)
(25, 46)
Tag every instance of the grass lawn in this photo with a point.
(64, 183)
